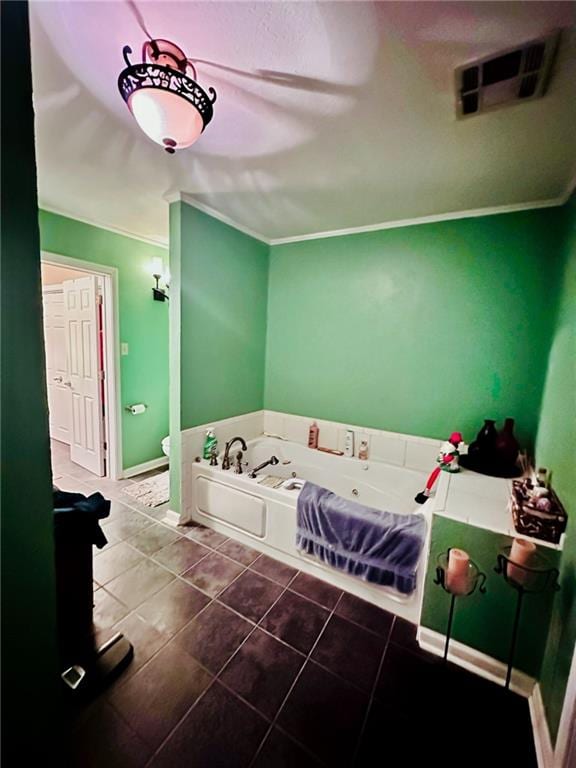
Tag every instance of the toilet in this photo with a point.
(166, 445)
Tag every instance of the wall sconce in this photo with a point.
(160, 294)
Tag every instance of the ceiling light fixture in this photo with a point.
(168, 105)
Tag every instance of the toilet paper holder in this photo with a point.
(136, 408)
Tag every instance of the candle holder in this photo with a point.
(535, 578)
(473, 579)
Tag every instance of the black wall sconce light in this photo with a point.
(159, 294)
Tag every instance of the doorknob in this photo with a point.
(57, 379)
(68, 384)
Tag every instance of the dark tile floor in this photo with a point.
(243, 661)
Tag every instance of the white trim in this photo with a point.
(542, 741)
(434, 218)
(112, 332)
(171, 518)
(396, 224)
(117, 231)
(222, 423)
(184, 198)
(146, 466)
(475, 661)
(566, 740)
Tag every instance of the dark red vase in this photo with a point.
(507, 446)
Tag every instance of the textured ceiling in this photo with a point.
(330, 115)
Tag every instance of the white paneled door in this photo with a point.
(59, 394)
(82, 313)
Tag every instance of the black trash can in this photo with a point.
(76, 530)
(85, 667)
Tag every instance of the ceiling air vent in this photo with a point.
(515, 75)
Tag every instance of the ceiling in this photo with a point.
(330, 115)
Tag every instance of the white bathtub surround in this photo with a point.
(407, 451)
(264, 517)
(248, 426)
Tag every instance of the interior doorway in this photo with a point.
(81, 341)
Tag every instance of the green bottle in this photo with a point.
(210, 444)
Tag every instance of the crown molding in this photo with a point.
(434, 218)
(189, 200)
(93, 223)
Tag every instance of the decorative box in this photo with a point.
(548, 525)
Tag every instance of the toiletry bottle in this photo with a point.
(313, 436)
(209, 443)
(363, 450)
(349, 443)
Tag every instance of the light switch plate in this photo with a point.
(124, 348)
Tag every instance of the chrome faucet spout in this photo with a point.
(229, 444)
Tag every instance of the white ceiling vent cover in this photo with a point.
(511, 76)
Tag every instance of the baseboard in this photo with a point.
(542, 740)
(171, 518)
(475, 661)
(147, 466)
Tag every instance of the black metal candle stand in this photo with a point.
(538, 577)
(475, 579)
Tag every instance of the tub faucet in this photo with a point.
(272, 461)
(229, 444)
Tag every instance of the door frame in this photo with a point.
(113, 411)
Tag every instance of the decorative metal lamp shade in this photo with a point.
(168, 105)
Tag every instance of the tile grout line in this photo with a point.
(298, 675)
(372, 692)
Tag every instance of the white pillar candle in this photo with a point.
(521, 552)
(457, 571)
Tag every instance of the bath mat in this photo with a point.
(152, 492)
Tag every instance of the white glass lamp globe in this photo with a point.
(167, 118)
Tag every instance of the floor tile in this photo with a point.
(159, 695)
(409, 680)
(107, 609)
(152, 539)
(113, 560)
(146, 640)
(404, 634)
(125, 525)
(280, 751)
(365, 614)
(173, 607)
(181, 555)
(139, 583)
(316, 590)
(213, 574)
(213, 636)
(325, 714)
(296, 620)
(262, 672)
(105, 739)
(349, 651)
(204, 535)
(251, 595)
(239, 552)
(274, 569)
(219, 732)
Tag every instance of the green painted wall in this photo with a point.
(143, 325)
(224, 280)
(420, 330)
(556, 449)
(175, 354)
(484, 621)
(30, 691)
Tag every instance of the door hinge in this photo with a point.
(99, 299)
(105, 445)
(101, 375)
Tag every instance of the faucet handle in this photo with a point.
(238, 466)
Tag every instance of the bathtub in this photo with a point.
(264, 517)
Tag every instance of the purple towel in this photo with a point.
(380, 547)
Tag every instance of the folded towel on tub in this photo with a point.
(380, 547)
